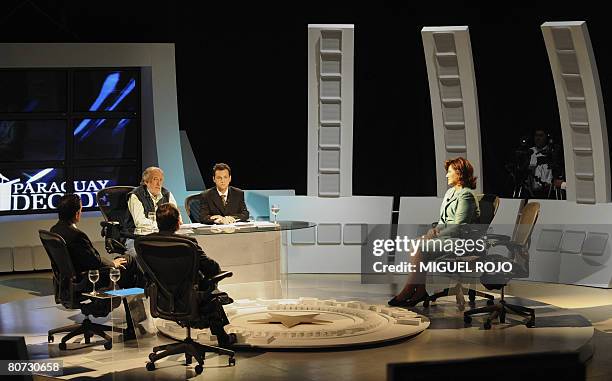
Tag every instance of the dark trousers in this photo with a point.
(209, 267)
(132, 275)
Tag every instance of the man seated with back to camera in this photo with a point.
(82, 253)
(168, 221)
(223, 204)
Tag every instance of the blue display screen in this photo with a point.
(105, 139)
(106, 90)
(32, 140)
(87, 139)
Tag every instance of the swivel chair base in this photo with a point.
(499, 310)
(87, 329)
(191, 349)
(459, 291)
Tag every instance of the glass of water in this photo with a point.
(93, 276)
(274, 209)
(151, 216)
(115, 275)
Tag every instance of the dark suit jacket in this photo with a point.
(208, 266)
(84, 256)
(212, 204)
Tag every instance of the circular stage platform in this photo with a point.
(310, 323)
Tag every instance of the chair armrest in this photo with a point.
(498, 237)
(218, 277)
(510, 245)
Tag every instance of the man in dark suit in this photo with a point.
(84, 256)
(168, 222)
(167, 217)
(223, 204)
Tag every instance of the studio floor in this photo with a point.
(568, 317)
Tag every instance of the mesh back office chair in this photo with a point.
(68, 287)
(518, 248)
(113, 203)
(192, 206)
(488, 204)
(174, 291)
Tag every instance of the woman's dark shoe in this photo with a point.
(395, 302)
(418, 299)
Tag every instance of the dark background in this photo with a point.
(242, 79)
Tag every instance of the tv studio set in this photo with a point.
(327, 191)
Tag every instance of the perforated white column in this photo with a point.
(581, 111)
(330, 110)
(454, 102)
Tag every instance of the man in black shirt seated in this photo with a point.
(82, 253)
(168, 222)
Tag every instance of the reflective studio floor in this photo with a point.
(568, 317)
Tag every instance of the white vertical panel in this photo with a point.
(40, 258)
(454, 101)
(330, 109)
(22, 258)
(581, 111)
(6, 259)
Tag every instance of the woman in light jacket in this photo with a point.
(459, 206)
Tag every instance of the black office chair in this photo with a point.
(69, 288)
(171, 266)
(488, 204)
(113, 204)
(192, 206)
(518, 248)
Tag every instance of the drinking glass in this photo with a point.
(151, 217)
(275, 209)
(115, 275)
(93, 276)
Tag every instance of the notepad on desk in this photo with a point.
(194, 225)
(126, 291)
(265, 224)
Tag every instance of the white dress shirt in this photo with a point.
(137, 209)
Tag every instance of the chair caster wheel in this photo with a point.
(199, 369)
(487, 324)
(108, 345)
(188, 359)
(490, 302)
(530, 324)
(150, 366)
(467, 319)
(62, 346)
(151, 357)
(232, 361)
(426, 303)
(50, 338)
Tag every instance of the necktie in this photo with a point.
(224, 198)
